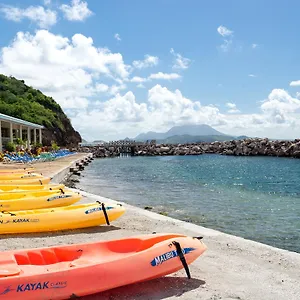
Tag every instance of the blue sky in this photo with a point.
(119, 68)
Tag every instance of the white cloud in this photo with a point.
(224, 31)
(74, 103)
(232, 108)
(156, 76)
(180, 62)
(295, 83)
(123, 116)
(164, 76)
(63, 68)
(227, 35)
(47, 2)
(115, 89)
(81, 76)
(252, 75)
(149, 61)
(280, 103)
(138, 79)
(226, 45)
(77, 11)
(117, 37)
(254, 46)
(141, 86)
(44, 18)
(101, 88)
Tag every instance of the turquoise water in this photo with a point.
(253, 197)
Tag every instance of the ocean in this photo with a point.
(257, 198)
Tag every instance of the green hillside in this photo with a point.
(21, 101)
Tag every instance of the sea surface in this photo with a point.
(257, 198)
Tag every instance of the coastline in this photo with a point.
(231, 268)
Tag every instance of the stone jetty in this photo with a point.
(246, 147)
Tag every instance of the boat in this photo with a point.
(73, 271)
(58, 218)
(23, 170)
(26, 181)
(29, 187)
(14, 176)
(36, 200)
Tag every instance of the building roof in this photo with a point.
(7, 118)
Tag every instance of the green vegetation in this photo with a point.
(20, 142)
(54, 146)
(21, 101)
(10, 147)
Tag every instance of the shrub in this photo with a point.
(10, 147)
(54, 146)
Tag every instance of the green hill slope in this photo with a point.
(21, 101)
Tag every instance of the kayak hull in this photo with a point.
(57, 218)
(63, 272)
(15, 176)
(25, 181)
(29, 187)
(13, 171)
(15, 201)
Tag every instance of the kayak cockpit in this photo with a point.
(85, 254)
(47, 256)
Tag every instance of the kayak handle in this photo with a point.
(104, 212)
(7, 212)
(182, 258)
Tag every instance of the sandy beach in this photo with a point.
(231, 268)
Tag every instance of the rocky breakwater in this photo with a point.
(180, 149)
(143, 150)
(255, 146)
(246, 147)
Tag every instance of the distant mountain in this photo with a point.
(186, 139)
(187, 134)
(192, 130)
(98, 142)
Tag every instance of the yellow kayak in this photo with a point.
(11, 202)
(61, 218)
(26, 181)
(14, 176)
(9, 171)
(30, 187)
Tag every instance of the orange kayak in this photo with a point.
(66, 272)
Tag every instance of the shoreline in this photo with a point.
(231, 268)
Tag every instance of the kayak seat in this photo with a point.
(81, 262)
(46, 256)
(8, 265)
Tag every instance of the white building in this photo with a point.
(12, 128)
